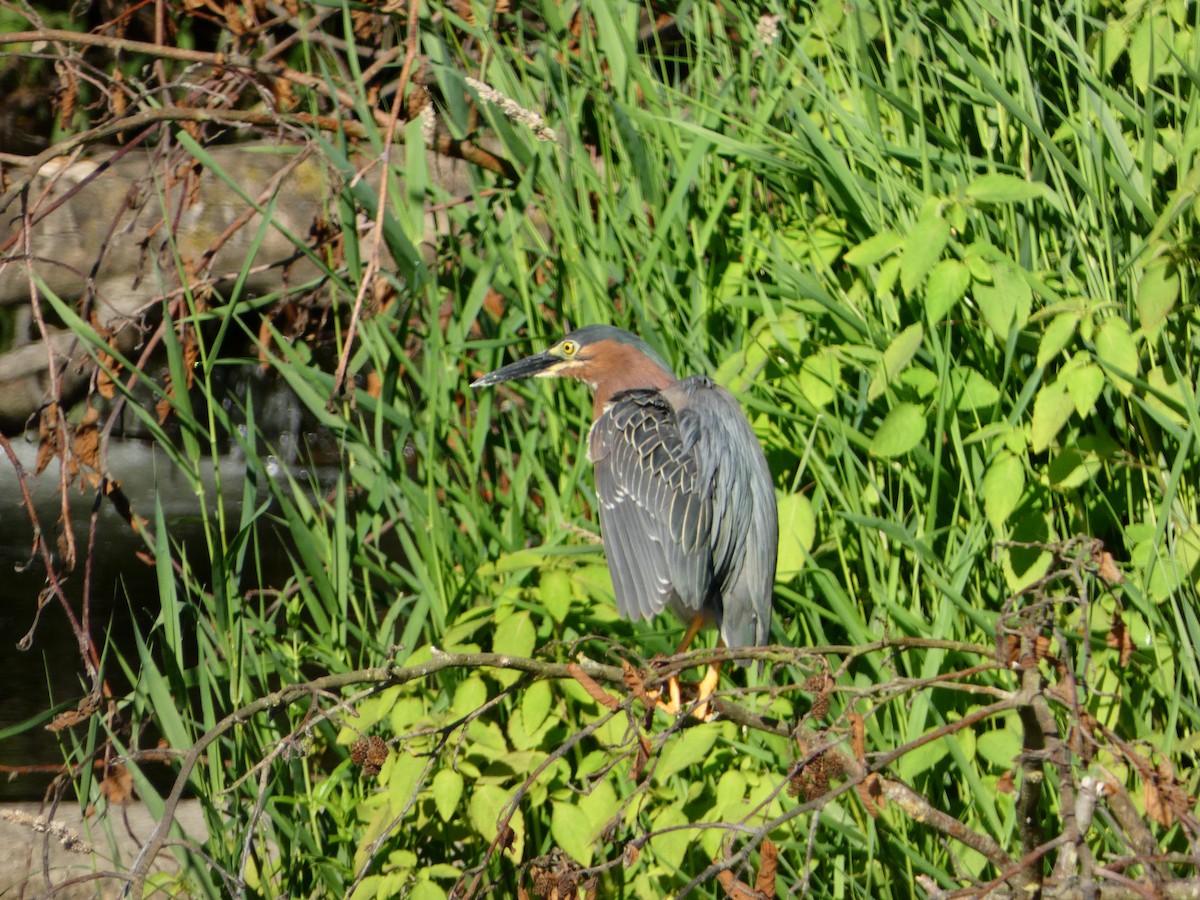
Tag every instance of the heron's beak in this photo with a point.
(529, 367)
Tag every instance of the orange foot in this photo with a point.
(702, 710)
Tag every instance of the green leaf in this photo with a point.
(469, 695)
(515, 636)
(670, 846)
(820, 376)
(447, 791)
(797, 532)
(535, 705)
(425, 890)
(1051, 409)
(1112, 43)
(1055, 337)
(731, 790)
(554, 593)
(1156, 294)
(487, 740)
(686, 749)
(889, 273)
(401, 774)
(1000, 746)
(404, 712)
(948, 283)
(902, 430)
(998, 188)
(1002, 488)
(898, 355)
(923, 247)
(976, 257)
(921, 380)
(1187, 555)
(1147, 556)
(1006, 302)
(571, 830)
(600, 805)
(484, 811)
(921, 759)
(1151, 49)
(1071, 467)
(971, 390)
(873, 249)
(1084, 384)
(1165, 382)
(1117, 352)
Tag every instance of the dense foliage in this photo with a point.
(944, 254)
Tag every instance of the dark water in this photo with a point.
(124, 589)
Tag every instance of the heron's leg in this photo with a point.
(673, 705)
(706, 688)
(693, 629)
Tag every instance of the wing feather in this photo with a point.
(743, 521)
(687, 507)
(649, 509)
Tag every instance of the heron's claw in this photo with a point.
(702, 709)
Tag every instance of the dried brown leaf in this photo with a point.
(768, 863)
(1010, 654)
(594, 690)
(870, 791)
(117, 785)
(1041, 646)
(1118, 638)
(48, 447)
(265, 341)
(104, 383)
(117, 98)
(367, 26)
(285, 94)
(67, 719)
(86, 446)
(1063, 690)
(507, 838)
(494, 304)
(858, 737)
(1156, 806)
(66, 549)
(68, 94)
(734, 888)
(640, 760)
(191, 355)
(636, 685)
(162, 408)
(1007, 783)
(1166, 799)
(1106, 566)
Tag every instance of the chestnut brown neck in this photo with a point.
(613, 367)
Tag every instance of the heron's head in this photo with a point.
(605, 358)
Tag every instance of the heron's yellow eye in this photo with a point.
(568, 348)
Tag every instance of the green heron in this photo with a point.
(687, 507)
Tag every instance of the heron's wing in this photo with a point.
(654, 515)
(740, 504)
